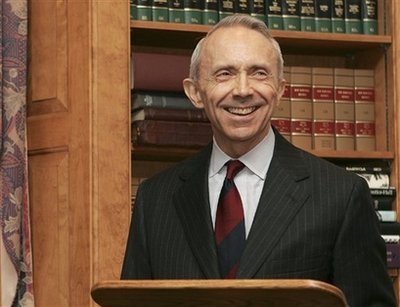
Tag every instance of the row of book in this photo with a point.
(377, 175)
(337, 16)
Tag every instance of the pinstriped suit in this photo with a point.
(314, 220)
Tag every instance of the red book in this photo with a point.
(159, 72)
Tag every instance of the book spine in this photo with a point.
(274, 14)
(143, 99)
(258, 9)
(169, 133)
(170, 114)
(382, 203)
(352, 17)
(159, 72)
(210, 15)
(281, 118)
(193, 11)
(323, 15)
(323, 108)
(386, 215)
(369, 16)
(291, 15)
(338, 23)
(143, 10)
(176, 11)
(307, 15)
(160, 10)
(344, 109)
(242, 6)
(226, 8)
(391, 191)
(393, 255)
(364, 85)
(390, 228)
(132, 9)
(301, 107)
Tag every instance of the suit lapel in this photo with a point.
(282, 197)
(192, 205)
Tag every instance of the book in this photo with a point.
(337, 17)
(176, 11)
(307, 15)
(352, 17)
(364, 85)
(171, 133)
(323, 15)
(169, 114)
(344, 108)
(386, 215)
(389, 228)
(160, 10)
(142, 10)
(242, 6)
(323, 126)
(159, 72)
(391, 238)
(210, 14)
(382, 202)
(369, 16)
(376, 181)
(226, 8)
(132, 9)
(193, 10)
(391, 191)
(141, 99)
(393, 255)
(291, 15)
(301, 106)
(274, 14)
(258, 9)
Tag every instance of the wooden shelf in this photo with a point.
(160, 34)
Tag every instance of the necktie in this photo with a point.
(229, 225)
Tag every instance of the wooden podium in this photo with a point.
(239, 292)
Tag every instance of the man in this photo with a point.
(303, 217)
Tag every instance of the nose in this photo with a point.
(243, 87)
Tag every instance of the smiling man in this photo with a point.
(251, 205)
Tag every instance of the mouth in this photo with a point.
(241, 111)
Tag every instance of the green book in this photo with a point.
(369, 16)
(242, 6)
(132, 9)
(257, 9)
(274, 14)
(291, 15)
(176, 11)
(143, 10)
(210, 15)
(338, 24)
(323, 13)
(226, 8)
(352, 17)
(193, 11)
(307, 15)
(160, 10)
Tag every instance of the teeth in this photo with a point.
(241, 111)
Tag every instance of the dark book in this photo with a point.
(307, 15)
(141, 99)
(338, 24)
(176, 11)
(369, 16)
(393, 255)
(159, 72)
(352, 16)
(384, 192)
(226, 8)
(169, 133)
(323, 15)
(160, 10)
(258, 9)
(142, 10)
(274, 14)
(389, 228)
(193, 11)
(242, 6)
(291, 15)
(383, 202)
(169, 114)
(211, 14)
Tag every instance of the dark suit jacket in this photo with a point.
(314, 220)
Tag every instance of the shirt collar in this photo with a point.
(257, 160)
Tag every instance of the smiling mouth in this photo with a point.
(241, 111)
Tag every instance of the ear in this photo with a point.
(281, 89)
(193, 93)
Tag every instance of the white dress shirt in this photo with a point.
(249, 181)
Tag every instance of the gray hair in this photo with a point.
(246, 21)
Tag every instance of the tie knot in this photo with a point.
(234, 167)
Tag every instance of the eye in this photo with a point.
(223, 75)
(261, 74)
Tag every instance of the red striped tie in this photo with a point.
(229, 225)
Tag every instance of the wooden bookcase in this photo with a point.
(377, 52)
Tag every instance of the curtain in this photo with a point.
(16, 265)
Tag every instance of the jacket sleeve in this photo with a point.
(359, 264)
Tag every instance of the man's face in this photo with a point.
(238, 87)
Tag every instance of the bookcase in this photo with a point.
(376, 52)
